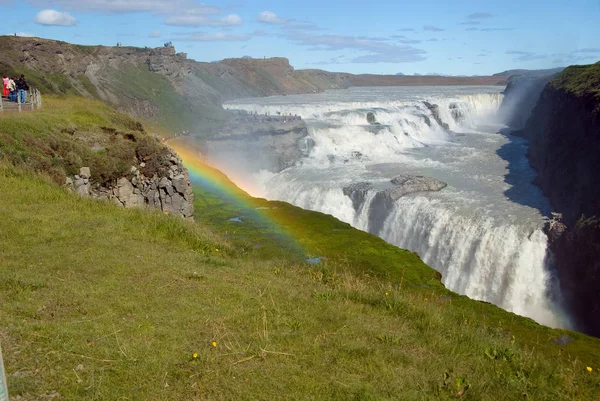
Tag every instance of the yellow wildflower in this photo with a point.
(426, 299)
(386, 294)
(167, 213)
(589, 369)
(217, 249)
(214, 344)
(195, 355)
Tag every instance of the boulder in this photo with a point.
(371, 118)
(85, 173)
(407, 184)
(180, 184)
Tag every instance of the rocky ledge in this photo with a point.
(170, 193)
(386, 195)
(259, 142)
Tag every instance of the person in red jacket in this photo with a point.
(5, 84)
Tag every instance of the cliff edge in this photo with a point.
(564, 135)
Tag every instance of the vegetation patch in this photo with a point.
(100, 302)
(581, 80)
(71, 133)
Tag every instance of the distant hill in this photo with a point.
(530, 73)
(166, 87)
(399, 74)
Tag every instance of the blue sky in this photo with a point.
(451, 36)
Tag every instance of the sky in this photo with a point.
(454, 37)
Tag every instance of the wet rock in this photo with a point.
(371, 118)
(387, 195)
(357, 192)
(456, 113)
(426, 119)
(435, 112)
(414, 183)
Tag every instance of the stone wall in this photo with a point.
(171, 193)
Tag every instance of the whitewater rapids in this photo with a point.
(483, 232)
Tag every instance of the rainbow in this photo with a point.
(210, 179)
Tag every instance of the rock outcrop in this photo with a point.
(170, 193)
(157, 84)
(564, 149)
(386, 195)
(435, 112)
(259, 142)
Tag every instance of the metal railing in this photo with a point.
(35, 102)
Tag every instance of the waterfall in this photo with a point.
(485, 245)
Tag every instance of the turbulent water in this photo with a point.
(482, 232)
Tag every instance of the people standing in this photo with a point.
(5, 85)
(12, 89)
(22, 89)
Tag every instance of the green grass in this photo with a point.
(98, 302)
(103, 303)
(69, 133)
(173, 110)
(581, 80)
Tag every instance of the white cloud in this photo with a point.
(127, 6)
(268, 17)
(217, 36)
(432, 28)
(55, 18)
(202, 20)
(155, 34)
(377, 49)
(479, 16)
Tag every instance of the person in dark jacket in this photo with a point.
(22, 89)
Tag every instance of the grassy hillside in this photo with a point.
(69, 133)
(580, 80)
(99, 302)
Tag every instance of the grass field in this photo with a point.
(102, 303)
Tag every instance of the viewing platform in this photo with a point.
(34, 101)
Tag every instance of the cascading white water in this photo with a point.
(483, 232)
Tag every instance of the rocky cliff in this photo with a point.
(258, 142)
(166, 87)
(169, 191)
(156, 84)
(564, 135)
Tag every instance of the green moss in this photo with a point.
(581, 80)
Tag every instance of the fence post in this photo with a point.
(19, 99)
(31, 98)
(1, 105)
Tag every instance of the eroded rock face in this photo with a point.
(260, 142)
(358, 192)
(407, 184)
(435, 112)
(385, 196)
(171, 193)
